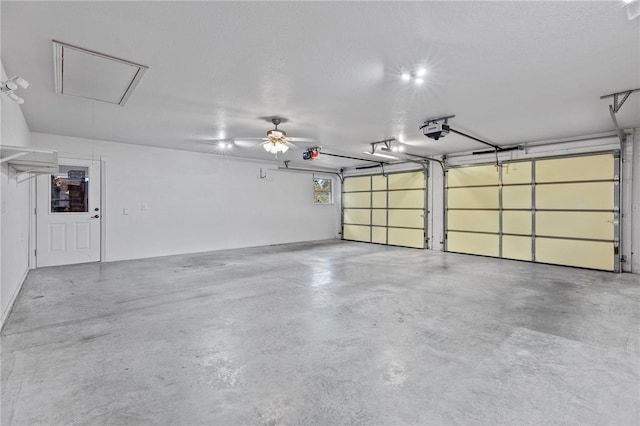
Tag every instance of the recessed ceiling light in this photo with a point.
(416, 74)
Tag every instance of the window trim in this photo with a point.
(330, 191)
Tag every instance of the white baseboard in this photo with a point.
(12, 302)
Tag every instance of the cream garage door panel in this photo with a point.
(518, 172)
(406, 237)
(379, 200)
(406, 218)
(584, 254)
(588, 225)
(357, 184)
(516, 222)
(472, 198)
(407, 181)
(575, 196)
(368, 200)
(357, 233)
(516, 247)
(466, 242)
(474, 220)
(406, 199)
(357, 216)
(379, 235)
(379, 217)
(592, 167)
(357, 199)
(516, 197)
(472, 176)
(379, 183)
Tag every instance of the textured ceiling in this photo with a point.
(511, 72)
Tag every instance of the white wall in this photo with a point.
(196, 202)
(15, 207)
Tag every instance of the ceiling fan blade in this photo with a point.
(311, 140)
(247, 142)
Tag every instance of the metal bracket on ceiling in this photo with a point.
(445, 119)
(386, 145)
(621, 134)
(618, 104)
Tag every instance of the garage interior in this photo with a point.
(320, 212)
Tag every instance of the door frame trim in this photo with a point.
(33, 226)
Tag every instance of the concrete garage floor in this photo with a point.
(323, 333)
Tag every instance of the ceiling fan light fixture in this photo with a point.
(275, 147)
(9, 86)
(15, 98)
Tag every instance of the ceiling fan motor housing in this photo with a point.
(275, 133)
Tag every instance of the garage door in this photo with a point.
(387, 209)
(563, 211)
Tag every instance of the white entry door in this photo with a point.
(68, 214)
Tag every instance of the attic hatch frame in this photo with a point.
(58, 70)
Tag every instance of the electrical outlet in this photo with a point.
(143, 206)
(125, 211)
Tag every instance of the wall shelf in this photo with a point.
(27, 160)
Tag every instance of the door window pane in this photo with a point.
(69, 190)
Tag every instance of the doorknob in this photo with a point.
(94, 217)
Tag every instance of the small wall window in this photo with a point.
(322, 191)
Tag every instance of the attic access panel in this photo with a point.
(92, 75)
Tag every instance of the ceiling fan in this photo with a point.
(275, 142)
(278, 141)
